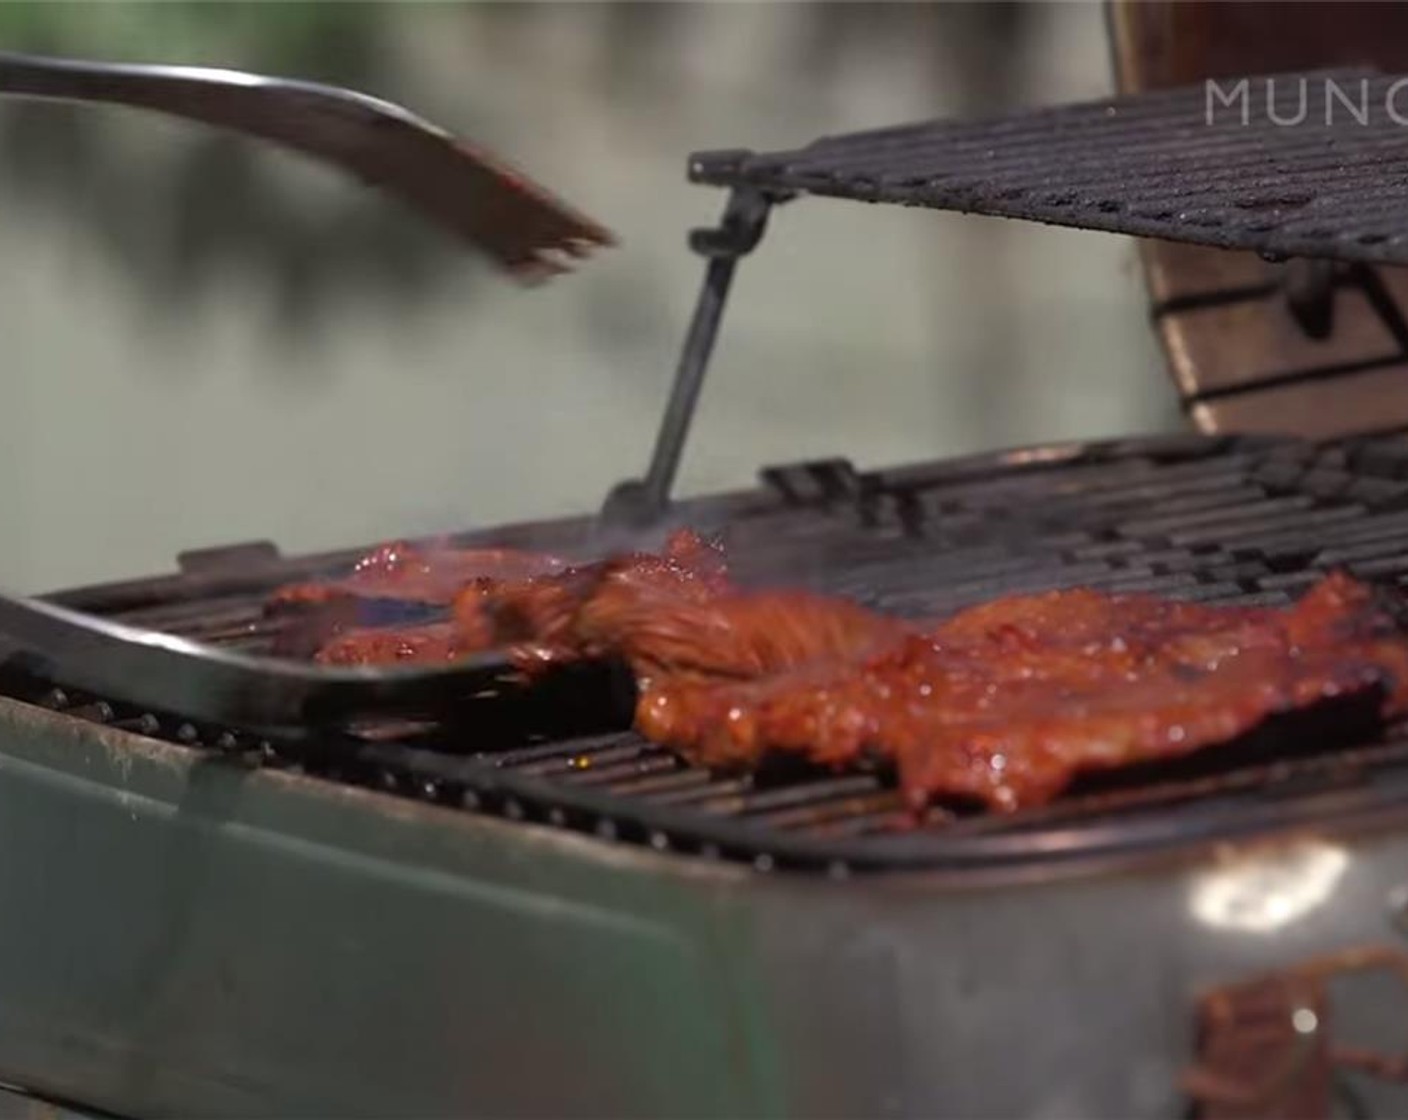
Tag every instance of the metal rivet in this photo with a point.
(557, 818)
(838, 869)
(606, 829)
(659, 841)
(470, 800)
(513, 810)
(763, 862)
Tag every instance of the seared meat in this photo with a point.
(1005, 703)
(674, 614)
(1008, 702)
(599, 609)
(440, 643)
(405, 572)
(330, 613)
(539, 608)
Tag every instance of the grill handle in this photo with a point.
(464, 189)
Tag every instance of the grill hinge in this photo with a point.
(1304, 347)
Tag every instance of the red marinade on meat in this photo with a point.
(1008, 702)
(418, 574)
(1005, 703)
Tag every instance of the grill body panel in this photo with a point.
(201, 939)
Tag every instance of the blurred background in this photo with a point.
(208, 341)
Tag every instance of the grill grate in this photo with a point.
(1153, 164)
(1233, 521)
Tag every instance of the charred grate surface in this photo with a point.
(1155, 164)
(1233, 521)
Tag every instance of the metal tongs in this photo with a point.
(492, 206)
(476, 195)
(176, 676)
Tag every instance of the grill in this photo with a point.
(1225, 521)
(274, 935)
(1180, 164)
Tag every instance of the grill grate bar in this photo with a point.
(582, 763)
(1094, 479)
(718, 787)
(874, 811)
(571, 754)
(1198, 521)
(684, 779)
(646, 760)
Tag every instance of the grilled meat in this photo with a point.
(542, 610)
(422, 575)
(1008, 702)
(1005, 703)
(675, 614)
(434, 643)
(330, 617)
(599, 609)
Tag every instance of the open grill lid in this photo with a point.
(1309, 167)
(1237, 165)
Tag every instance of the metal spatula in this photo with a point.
(491, 205)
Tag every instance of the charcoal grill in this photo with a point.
(1211, 520)
(653, 933)
(518, 907)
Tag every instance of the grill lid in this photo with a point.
(1239, 165)
(1304, 164)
